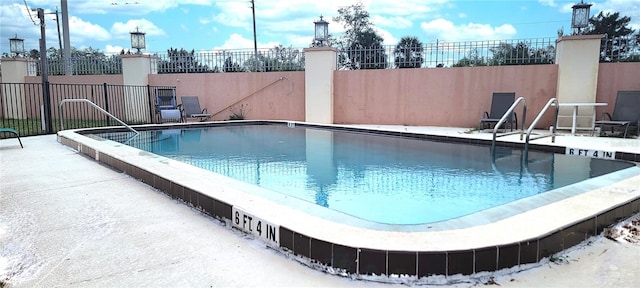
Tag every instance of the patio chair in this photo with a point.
(167, 105)
(192, 110)
(170, 115)
(166, 99)
(500, 103)
(626, 113)
(14, 132)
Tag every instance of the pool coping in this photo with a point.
(513, 241)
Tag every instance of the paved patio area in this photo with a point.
(68, 221)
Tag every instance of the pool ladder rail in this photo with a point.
(504, 119)
(552, 102)
(135, 133)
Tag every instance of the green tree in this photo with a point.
(361, 47)
(230, 66)
(282, 58)
(472, 59)
(520, 54)
(408, 53)
(181, 61)
(87, 61)
(618, 42)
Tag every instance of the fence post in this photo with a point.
(106, 102)
(320, 63)
(151, 105)
(47, 108)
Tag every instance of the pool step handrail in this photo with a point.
(552, 102)
(95, 106)
(504, 119)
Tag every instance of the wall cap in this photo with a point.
(138, 56)
(323, 48)
(17, 59)
(579, 37)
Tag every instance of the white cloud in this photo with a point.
(237, 41)
(121, 30)
(446, 30)
(132, 7)
(80, 30)
(389, 39)
(411, 9)
(394, 22)
(234, 14)
(15, 21)
(629, 8)
(109, 49)
(550, 3)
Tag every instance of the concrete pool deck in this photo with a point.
(67, 221)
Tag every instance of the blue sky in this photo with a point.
(227, 24)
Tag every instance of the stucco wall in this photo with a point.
(270, 95)
(455, 97)
(614, 77)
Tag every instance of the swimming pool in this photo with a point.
(482, 241)
(378, 178)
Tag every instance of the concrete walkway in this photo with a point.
(67, 221)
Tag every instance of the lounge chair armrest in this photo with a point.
(486, 114)
(204, 110)
(606, 114)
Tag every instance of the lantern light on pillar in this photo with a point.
(137, 40)
(321, 31)
(16, 45)
(580, 17)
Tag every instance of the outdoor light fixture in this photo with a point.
(322, 31)
(580, 18)
(137, 40)
(16, 45)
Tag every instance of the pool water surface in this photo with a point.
(378, 178)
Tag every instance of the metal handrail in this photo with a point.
(550, 103)
(504, 119)
(95, 106)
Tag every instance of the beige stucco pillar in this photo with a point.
(135, 72)
(578, 59)
(13, 71)
(320, 63)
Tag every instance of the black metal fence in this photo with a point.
(239, 60)
(34, 109)
(428, 55)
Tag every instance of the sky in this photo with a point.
(205, 25)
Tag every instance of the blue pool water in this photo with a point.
(384, 179)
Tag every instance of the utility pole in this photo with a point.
(45, 73)
(58, 26)
(65, 35)
(255, 40)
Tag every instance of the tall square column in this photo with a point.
(578, 59)
(320, 63)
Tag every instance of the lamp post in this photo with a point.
(137, 40)
(16, 46)
(321, 32)
(580, 17)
